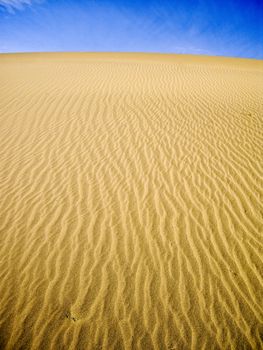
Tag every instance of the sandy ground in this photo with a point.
(131, 202)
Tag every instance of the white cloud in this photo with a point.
(12, 5)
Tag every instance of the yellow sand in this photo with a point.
(131, 202)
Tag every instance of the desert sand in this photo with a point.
(131, 202)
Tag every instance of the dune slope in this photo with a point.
(131, 213)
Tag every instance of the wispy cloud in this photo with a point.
(12, 5)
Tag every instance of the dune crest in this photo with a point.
(131, 211)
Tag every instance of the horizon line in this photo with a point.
(132, 52)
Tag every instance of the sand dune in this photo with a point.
(131, 212)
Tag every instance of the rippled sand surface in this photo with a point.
(131, 202)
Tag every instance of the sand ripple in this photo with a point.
(131, 211)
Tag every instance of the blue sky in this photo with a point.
(224, 28)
